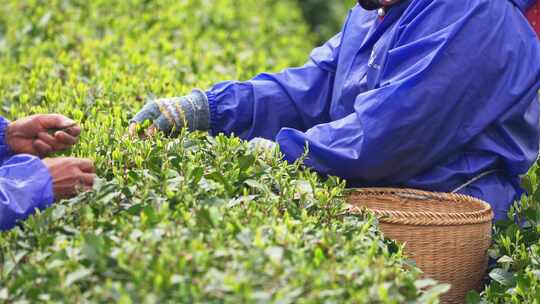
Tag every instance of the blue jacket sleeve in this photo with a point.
(25, 185)
(4, 149)
(447, 79)
(297, 98)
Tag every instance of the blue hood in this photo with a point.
(523, 4)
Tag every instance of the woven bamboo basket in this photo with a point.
(448, 235)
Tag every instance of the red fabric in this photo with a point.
(534, 17)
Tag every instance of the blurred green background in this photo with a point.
(325, 17)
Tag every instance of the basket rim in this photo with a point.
(424, 218)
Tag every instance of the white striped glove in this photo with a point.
(262, 144)
(170, 115)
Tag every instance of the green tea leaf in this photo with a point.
(502, 276)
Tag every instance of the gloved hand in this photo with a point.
(264, 147)
(170, 115)
(262, 144)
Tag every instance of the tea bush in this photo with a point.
(515, 277)
(197, 219)
(191, 219)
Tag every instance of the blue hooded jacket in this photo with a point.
(25, 184)
(430, 96)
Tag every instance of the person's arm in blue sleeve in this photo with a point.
(26, 182)
(260, 107)
(296, 97)
(25, 185)
(448, 79)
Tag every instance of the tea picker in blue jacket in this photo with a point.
(440, 95)
(28, 183)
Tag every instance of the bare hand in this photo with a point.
(71, 176)
(42, 134)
